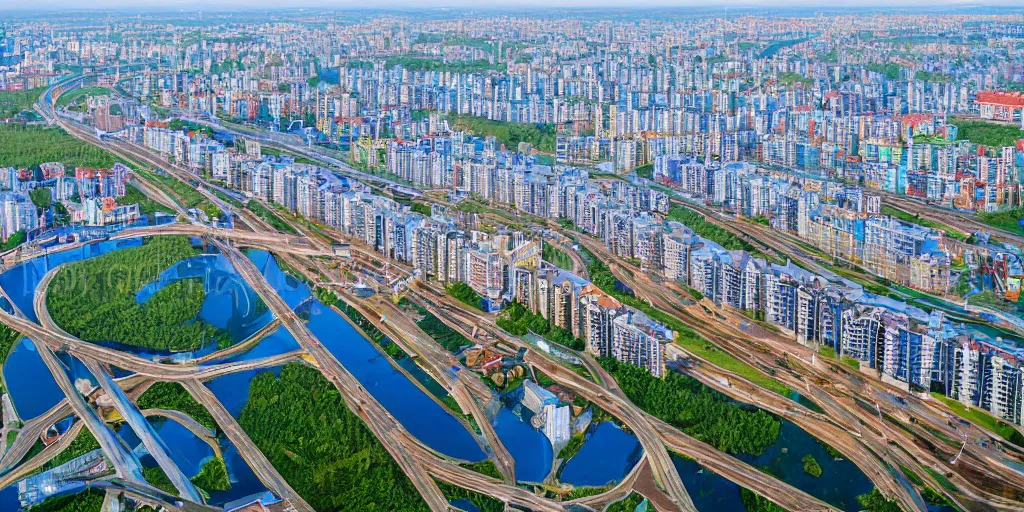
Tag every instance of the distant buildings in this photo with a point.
(17, 213)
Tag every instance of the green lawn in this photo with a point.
(851, 362)
(983, 419)
(95, 299)
(826, 351)
(986, 133)
(704, 349)
(269, 217)
(29, 146)
(147, 205)
(79, 95)
(557, 257)
(540, 136)
(188, 194)
(13, 102)
(1007, 220)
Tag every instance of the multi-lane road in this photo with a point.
(418, 462)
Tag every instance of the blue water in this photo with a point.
(531, 449)
(230, 304)
(232, 390)
(840, 483)
(708, 490)
(30, 382)
(292, 290)
(410, 405)
(75, 369)
(608, 454)
(279, 341)
(466, 505)
(243, 481)
(186, 450)
(9, 498)
(21, 280)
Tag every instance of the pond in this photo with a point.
(279, 341)
(21, 280)
(30, 382)
(193, 453)
(460, 504)
(232, 390)
(230, 304)
(530, 448)
(244, 481)
(709, 491)
(9, 498)
(187, 450)
(608, 455)
(840, 483)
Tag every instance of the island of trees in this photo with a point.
(95, 300)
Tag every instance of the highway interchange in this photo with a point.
(871, 452)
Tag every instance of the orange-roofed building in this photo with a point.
(1001, 106)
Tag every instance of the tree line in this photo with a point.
(172, 396)
(696, 409)
(465, 294)
(29, 146)
(518, 320)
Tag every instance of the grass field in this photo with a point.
(704, 349)
(13, 102)
(983, 419)
(78, 95)
(985, 133)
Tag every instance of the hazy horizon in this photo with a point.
(498, 5)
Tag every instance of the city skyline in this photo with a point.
(567, 257)
(193, 6)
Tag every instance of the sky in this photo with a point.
(222, 5)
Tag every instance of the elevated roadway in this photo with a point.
(142, 428)
(30, 432)
(416, 461)
(200, 431)
(356, 396)
(845, 437)
(778, 492)
(661, 463)
(252, 455)
(28, 467)
(124, 462)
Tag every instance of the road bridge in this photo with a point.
(30, 432)
(125, 464)
(252, 455)
(142, 428)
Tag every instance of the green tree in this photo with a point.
(697, 409)
(811, 466)
(95, 299)
(465, 294)
(323, 450)
(40, 197)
